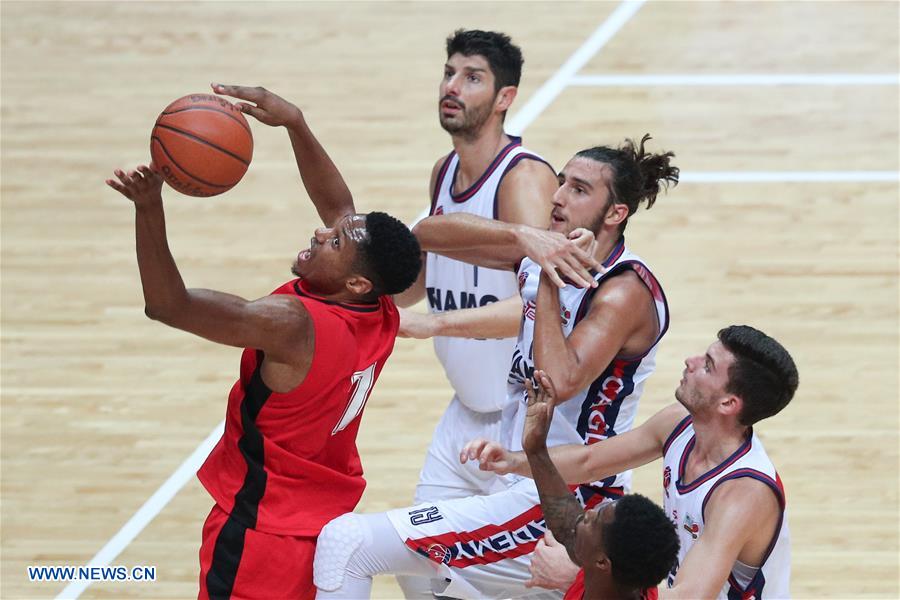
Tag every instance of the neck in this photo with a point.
(476, 153)
(606, 241)
(602, 587)
(715, 441)
(343, 295)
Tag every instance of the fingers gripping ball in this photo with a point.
(202, 145)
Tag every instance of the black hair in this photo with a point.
(640, 541)
(504, 57)
(390, 256)
(763, 374)
(636, 175)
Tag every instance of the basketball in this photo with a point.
(202, 145)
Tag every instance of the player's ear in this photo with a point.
(505, 97)
(602, 563)
(359, 285)
(616, 213)
(731, 405)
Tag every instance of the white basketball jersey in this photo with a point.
(476, 368)
(607, 406)
(685, 502)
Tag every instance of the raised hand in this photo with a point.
(491, 456)
(541, 401)
(267, 107)
(560, 256)
(142, 185)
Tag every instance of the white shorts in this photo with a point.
(486, 540)
(442, 475)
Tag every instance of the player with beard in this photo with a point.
(721, 489)
(489, 173)
(287, 462)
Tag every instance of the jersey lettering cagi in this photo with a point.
(607, 406)
(685, 503)
(474, 367)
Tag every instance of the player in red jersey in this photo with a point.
(287, 462)
(624, 548)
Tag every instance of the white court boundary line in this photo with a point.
(548, 92)
(788, 176)
(742, 79)
(532, 109)
(148, 511)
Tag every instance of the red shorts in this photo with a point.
(237, 562)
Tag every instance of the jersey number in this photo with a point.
(360, 386)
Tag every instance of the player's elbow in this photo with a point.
(158, 312)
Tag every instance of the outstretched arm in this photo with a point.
(561, 509)
(278, 325)
(499, 245)
(495, 320)
(324, 183)
(579, 464)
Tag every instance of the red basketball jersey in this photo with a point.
(287, 463)
(576, 590)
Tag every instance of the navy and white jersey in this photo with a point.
(685, 502)
(607, 406)
(476, 368)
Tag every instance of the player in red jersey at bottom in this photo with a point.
(624, 548)
(287, 462)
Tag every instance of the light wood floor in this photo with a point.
(100, 405)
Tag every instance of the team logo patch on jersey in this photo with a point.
(439, 553)
(439, 210)
(667, 479)
(565, 314)
(691, 527)
(523, 276)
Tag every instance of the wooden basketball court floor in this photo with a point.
(784, 119)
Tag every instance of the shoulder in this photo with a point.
(620, 291)
(741, 499)
(528, 169)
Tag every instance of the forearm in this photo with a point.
(321, 178)
(495, 320)
(161, 281)
(561, 509)
(472, 239)
(552, 352)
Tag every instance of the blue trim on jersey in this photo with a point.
(679, 429)
(759, 581)
(616, 252)
(442, 172)
(462, 197)
(512, 163)
(685, 488)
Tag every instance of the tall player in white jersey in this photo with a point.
(489, 174)
(721, 490)
(598, 341)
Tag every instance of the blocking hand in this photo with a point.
(267, 107)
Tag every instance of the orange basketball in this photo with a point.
(202, 145)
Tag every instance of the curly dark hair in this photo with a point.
(640, 542)
(504, 57)
(636, 174)
(390, 256)
(763, 374)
